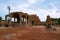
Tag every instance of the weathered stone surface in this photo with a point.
(48, 20)
(34, 20)
(21, 19)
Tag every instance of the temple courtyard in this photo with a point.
(29, 33)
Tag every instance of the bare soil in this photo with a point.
(29, 33)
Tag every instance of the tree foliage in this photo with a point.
(0, 19)
(56, 20)
(59, 21)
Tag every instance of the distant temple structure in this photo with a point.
(34, 20)
(21, 19)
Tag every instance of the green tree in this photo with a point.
(54, 19)
(0, 19)
(58, 20)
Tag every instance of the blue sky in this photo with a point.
(41, 8)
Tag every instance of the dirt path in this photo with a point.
(32, 33)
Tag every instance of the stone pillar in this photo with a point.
(4, 24)
(23, 19)
(27, 19)
(14, 20)
(10, 20)
(5, 21)
(27, 22)
(6, 18)
(20, 20)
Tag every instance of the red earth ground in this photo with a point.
(29, 33)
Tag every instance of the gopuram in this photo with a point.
(21, 19)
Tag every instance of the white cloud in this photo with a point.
(23, 5)
(42, 13)
(35, 1)
(32, 1)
